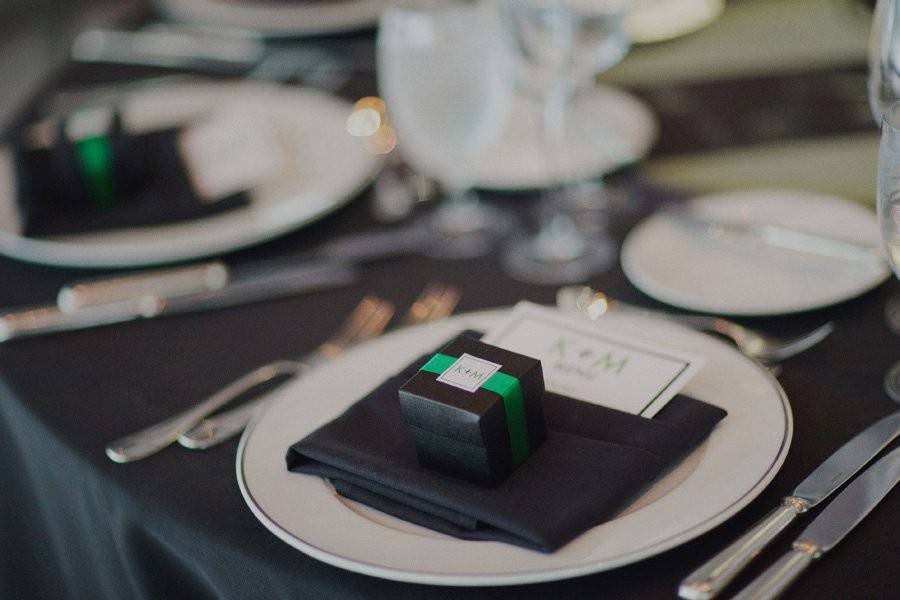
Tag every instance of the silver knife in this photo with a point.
(836, 521)
(782, 237)
(171, 291)
(167, 283)
(715, 574)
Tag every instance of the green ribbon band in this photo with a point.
(95, 157)
(510, 390)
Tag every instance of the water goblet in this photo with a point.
(563, 44)
(444, 73)
(889, 208)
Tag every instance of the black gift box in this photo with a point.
(460, 426)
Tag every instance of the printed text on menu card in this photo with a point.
(583, 360)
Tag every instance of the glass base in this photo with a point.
(892, 383)
(892, 314)
(468, 229)
(552, 259)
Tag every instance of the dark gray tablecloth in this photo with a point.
(74, 525)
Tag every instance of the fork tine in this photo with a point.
(357, 318)
(422, 306)
(375, 325)
(446, 303)
(367, 308)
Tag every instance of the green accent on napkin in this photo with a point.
(510, 390)
(95, 157)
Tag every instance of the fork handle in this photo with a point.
(714, 575)
(151, 440)
(776, 579)
(217, 429)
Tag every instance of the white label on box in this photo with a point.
(582, 360)
(468, 372)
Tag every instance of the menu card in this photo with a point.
(582, 359)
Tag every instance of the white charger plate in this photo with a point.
(607, 128)
(736, 462)
(278, 19)
(679, 266)
(327, 168)
(649, 21)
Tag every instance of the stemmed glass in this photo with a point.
(889, 208)
(563, 44)
(444, 73)
(884, 58)
(884, 91)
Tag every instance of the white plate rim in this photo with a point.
(71, 252)
(494, 579)
(279, 20)
(646, 283)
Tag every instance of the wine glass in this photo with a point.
(884, 58)
(884, 91)
(889, 208)
(563, 44)
(444, 72)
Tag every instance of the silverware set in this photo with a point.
(841, 516)
(196, 427)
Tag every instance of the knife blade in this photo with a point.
(778, 236)
(837, 520)
(712, 577)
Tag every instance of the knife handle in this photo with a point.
(774, 580)
(162, 283)
(712, 577)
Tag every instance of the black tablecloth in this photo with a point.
(74, 525)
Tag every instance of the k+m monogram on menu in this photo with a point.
(574, 356)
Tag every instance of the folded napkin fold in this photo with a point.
(593, 462)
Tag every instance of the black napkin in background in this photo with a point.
(151, 187)
(594, 461)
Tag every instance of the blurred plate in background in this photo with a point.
(327, 168)
(734, 275)
(658, 20)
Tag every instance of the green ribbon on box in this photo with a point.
(510, 390)
(95, 158)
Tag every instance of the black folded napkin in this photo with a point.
(147, 185)
(593, 462)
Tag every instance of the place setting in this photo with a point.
(447, 331)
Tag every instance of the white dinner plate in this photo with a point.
(717, 479)
(649, 21)
(607, 128)
(326, 168)
(732, 275)
(278, 19)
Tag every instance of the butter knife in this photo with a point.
(171, 291)
(778, 236)
(714, 575)
(836, 521)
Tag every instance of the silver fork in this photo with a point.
(370, 314)
(755, 344)
(437, 301)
